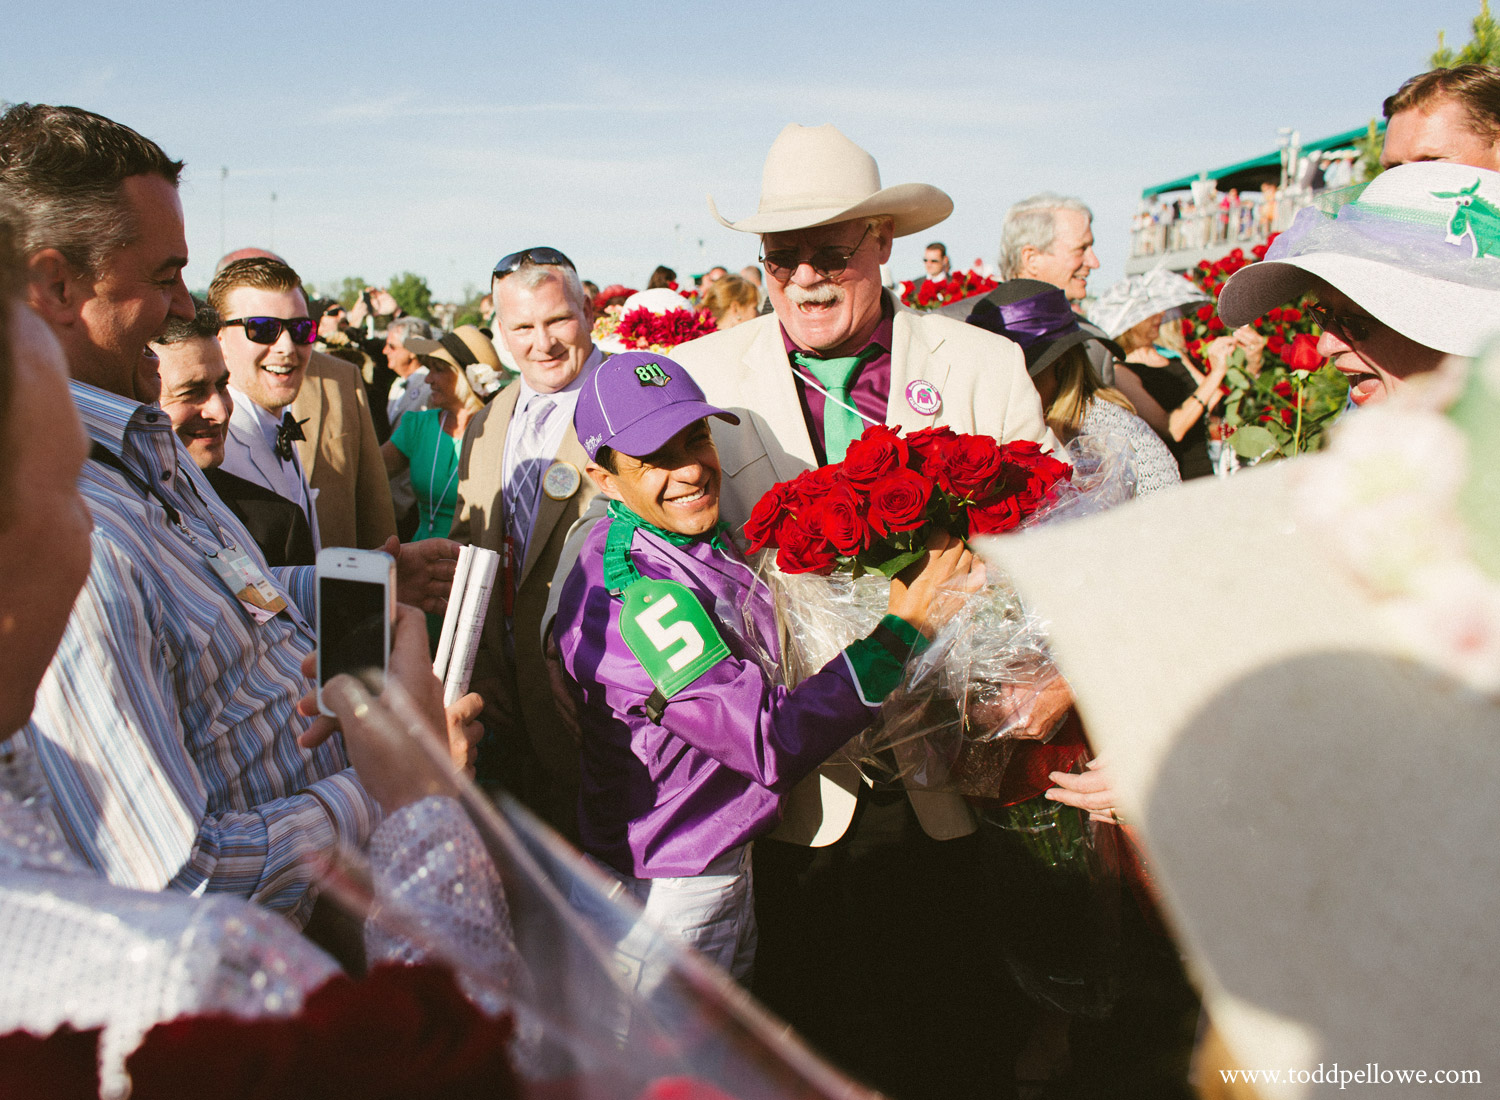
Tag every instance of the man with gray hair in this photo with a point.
(409, 391)
(520, 489)
(1051, 237)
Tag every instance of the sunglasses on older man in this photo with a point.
(267, 330)
(829, 261)
(546, 256)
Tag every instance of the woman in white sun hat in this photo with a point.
(1405, 273)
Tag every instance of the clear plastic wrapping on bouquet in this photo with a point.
(606, 1007)
(967, 699)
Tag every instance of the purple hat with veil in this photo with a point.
(1039, 317)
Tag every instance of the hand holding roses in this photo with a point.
(929, 592)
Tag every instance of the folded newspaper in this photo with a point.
(464, 620)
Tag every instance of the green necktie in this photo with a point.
(841, 426)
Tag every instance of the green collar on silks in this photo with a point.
(619, 570)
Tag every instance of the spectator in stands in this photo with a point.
(1446, 114)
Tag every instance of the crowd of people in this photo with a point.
(172, 466)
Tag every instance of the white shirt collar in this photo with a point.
(568, 395)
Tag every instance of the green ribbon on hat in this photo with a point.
(841, 424)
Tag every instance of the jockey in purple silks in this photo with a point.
(670, 645)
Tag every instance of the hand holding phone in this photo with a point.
(356, 616)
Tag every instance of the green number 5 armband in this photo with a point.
(671, 636)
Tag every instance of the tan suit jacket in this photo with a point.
(518, 699)
(341, 456)
(985, 389)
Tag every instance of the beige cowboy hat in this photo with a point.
(814, 175)
(1316, 802)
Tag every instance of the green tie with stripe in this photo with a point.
(841, 424)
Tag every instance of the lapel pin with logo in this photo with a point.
(561, 480)
(923, 397)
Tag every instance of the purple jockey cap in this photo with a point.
(634, 403)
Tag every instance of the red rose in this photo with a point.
(1282, 388)
(61, 1066)
(803, 549)
(1287, 416)
(969, 466)
(999, 514)
(1274, 314)
(1030, 474)
(1292, 314)
(872, 456)
(843, 518)
(1205, 312)
(1215, 324)
(926, 447)
(768, 514)
(1302, 353)
(899, 502)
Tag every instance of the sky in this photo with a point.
(436, 138)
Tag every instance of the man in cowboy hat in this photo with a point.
(1404, 275)
(846, 914)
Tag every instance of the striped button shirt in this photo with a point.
(166, 725)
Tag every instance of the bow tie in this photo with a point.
(287, 433)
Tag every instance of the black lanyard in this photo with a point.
(102, 454)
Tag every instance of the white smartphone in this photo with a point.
(356, 616)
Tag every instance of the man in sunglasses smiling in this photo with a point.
(267, 337)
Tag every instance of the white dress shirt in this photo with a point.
(250, 453)
(558, 423)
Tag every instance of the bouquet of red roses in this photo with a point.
(936, 293)
(830, 539)
(874, 511)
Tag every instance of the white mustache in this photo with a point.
(821, 294)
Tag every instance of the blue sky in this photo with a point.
(435, 138)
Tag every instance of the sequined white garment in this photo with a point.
(79, 950)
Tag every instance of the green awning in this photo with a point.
(1337, 141)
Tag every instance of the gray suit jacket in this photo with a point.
(985, 389)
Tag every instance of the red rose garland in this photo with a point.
(640, 328)
(875, 510)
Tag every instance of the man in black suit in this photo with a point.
(195, 395)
